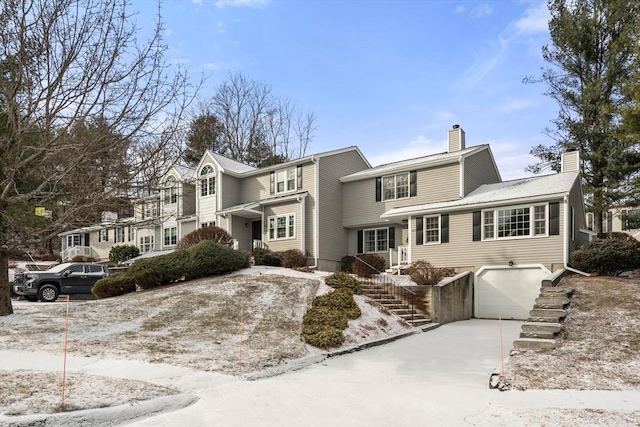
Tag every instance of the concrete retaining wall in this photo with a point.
(452, 299)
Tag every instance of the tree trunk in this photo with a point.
(5, 290)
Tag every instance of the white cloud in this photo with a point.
(513, 104)
(511, 160)
(418, 147)
(483, 9)
(535, 19)
(220, 28)
(242, 3)
(169, 32)
(461, 9)
(484, 66)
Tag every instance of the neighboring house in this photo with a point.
(625, 220)
(96, 241)
(451, 209)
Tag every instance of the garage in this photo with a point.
(507, 292)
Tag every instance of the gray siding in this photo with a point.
(188, 199)
(437, 184)
(284, 209)
(229, 186)
(331, 234)
(479, 169)
(463, 253)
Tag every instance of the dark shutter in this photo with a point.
(609, 222)
(554, 219)
(299, 172)
(360, 239)
(392, 237)
(419, 233)
(413, 184)
(477, 230)
(378, 189)
(86, 240)
(623, 217)
(272, 183)
(444, 228)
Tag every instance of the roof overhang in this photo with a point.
(253, 209)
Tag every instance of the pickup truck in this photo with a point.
(67, 278)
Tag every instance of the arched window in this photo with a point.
(207, 181)
(170, 190)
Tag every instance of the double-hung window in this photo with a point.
(286, 180)
(376, 240)
(170, 191)
(395, 186)
(432, 229)
(170, 236)
(515, 222)
(119, 235)
(103, 235)
(146, 244)
(282, 227)
(207, 181)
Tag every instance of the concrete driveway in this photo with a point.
(438, 378)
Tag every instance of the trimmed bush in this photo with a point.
(339, 300)
(619, 235)
(322, 327)
(373, 264)
(342, 280)
(346, 263)
(82, 258)
(120, 254)
(326, 338)
(607, 257)
(263, 256)
(212, 233)
(202, 259)
(113, 286)
(423, 273)
(293, 258)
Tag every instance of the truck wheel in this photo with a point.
(47, 293)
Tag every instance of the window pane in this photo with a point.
(402, 185)
(291, 226)
(540, 222)
(488, 225)
(389, 188)
(370, 241)
(291, 179)
(432, 229)
(281, 226)
(513, 222)
(381, 236)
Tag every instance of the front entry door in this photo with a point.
(256, 229)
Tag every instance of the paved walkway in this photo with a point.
(439, 378)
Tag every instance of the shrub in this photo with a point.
(113, 286)
(607, 256)
(293, 258)
(212, 233)
(339, 300)
(423, 273)
(263, 256)
(619, 235)
(322, 327)
(342, 280)
(122, 253)
(346, 263)
(326, 338)
(372, 265)
(203, 259)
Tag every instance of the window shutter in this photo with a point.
(413, 184)
(86, 240)
(392, 237)
(444, 228)
(272, 183)
(378, 189)
(360, 241)
(299, 174)
(623, 217)
(419, 228)
(554, 219)
(477, 235)
(609, 222)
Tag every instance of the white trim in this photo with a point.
(375, 242)
(532, 222)
(462, 177)
(287, 217)
(395, 186)
(286, 180)
(424, 230)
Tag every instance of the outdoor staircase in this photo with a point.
(409, 312)
(540, 330)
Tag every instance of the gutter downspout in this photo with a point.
(316, 219)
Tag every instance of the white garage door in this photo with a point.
(507, 292)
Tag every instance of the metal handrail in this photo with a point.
(382, 282)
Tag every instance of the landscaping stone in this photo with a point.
(534, 344)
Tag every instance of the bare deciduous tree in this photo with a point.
(257, 127)
(68, 65)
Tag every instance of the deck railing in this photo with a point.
(74, 251)
(259, 244)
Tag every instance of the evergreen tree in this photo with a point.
(593, 58)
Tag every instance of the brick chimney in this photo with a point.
(456, 139)
(570, 161)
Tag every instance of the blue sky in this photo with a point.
(391, 77)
